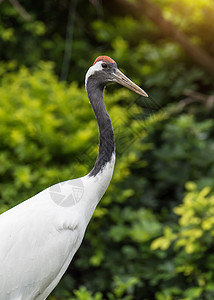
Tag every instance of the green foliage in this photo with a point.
(35, 114)
(159, 67)
(137, 45)
(192, 243)
(17, 33)
(181, 151)
(118, 291)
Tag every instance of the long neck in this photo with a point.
(106, 134)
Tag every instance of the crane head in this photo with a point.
(104, 70)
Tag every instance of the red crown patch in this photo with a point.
(104, 58)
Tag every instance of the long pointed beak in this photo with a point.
(120, 78)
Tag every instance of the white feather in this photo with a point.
(93, 69)
(39, 237)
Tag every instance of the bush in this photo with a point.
(191, 243)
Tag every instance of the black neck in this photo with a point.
(106, 134)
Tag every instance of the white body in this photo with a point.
(38, 238)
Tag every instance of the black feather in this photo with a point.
(95, 87)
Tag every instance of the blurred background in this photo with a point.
(152, 235)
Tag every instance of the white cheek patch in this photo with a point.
(93, 69)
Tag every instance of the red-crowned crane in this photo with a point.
(39, 237)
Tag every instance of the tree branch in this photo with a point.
(193, 96)
(154, 14)
(21, 10)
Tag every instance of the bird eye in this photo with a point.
(104, 65)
